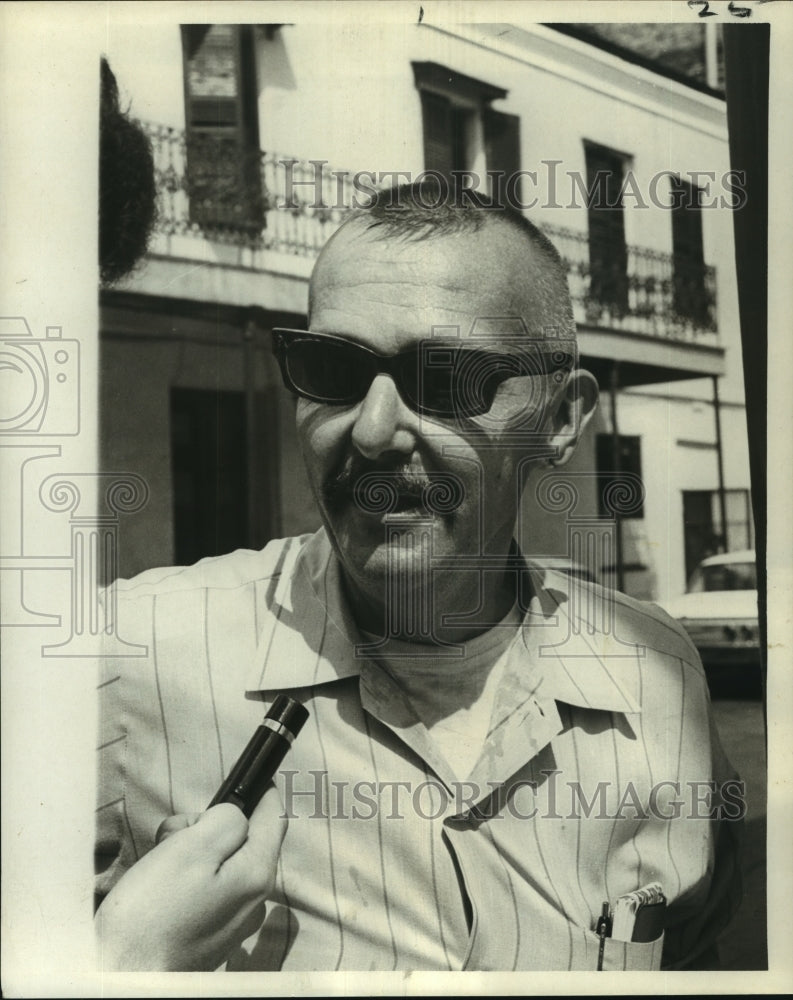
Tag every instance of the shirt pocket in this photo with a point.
(624, 956)
(633, 956)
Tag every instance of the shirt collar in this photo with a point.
(582, 641)
(309, 636)
(578, 649)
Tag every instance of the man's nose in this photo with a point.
(384, 422)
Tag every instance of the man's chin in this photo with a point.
(399, 544)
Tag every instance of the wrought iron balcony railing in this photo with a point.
(209, 188)
(637, 289)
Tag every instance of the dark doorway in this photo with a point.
(210, 479)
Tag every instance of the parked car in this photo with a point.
(719, 612)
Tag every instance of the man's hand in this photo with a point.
(197, 895)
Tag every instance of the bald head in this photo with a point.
(495, 253)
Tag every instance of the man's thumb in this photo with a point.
(173, 824)
(221, 831)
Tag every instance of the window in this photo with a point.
(210, 483)
(461, 131)
(222, 135)
(702, 527)
(690, 296)
(611, 466)
(608, 252)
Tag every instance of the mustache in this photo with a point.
(379, 489)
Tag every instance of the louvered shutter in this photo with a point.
(438, 138)
(502, 149)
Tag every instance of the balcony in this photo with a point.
(266, 212)
(260, 201)
(655, 315)
(643, 292)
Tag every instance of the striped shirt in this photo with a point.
(596, 776)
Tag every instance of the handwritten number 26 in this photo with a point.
(707, 12)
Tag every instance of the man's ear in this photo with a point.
(579, 401)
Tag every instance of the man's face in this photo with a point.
(390, 295)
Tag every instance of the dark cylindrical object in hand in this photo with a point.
(248, 779)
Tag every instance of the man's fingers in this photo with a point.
(222, 831)
(218, 836)
(172, 824)
(268, 824)
(252, 868)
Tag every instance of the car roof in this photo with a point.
(739, 556)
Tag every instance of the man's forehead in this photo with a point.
(462, 257)
(484, 274)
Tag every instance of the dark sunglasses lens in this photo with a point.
(330, 371)
(478, 376)
(437, 390)
(426, 380)
(461, 383)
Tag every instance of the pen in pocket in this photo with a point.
(637, 916)
(603, 930)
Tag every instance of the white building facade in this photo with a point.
(250, 123)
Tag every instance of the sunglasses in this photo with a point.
(432, 378)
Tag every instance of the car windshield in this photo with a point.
(723, 576)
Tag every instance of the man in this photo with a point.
(493, 752)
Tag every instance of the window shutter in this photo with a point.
(502, 141)
(691, 300)
(608, 253)
(438, 139)
(223, 173)
(686, 222)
